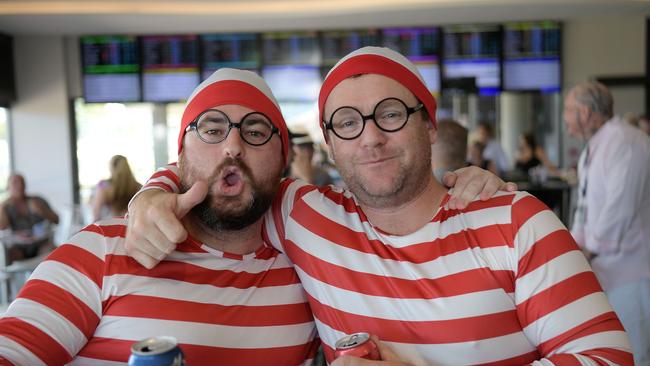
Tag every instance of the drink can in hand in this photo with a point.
(358, 345)
(157, 351)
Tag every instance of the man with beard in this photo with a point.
(224, 294)
(498, 282)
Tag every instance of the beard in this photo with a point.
(223, 214)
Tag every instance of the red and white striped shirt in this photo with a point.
(499, 283)
(88, 302)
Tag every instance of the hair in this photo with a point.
(123, 184)
(451, 143)
(530, 141)
(596, 97)
(488, 128)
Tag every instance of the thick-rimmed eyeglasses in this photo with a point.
(390, 115)
(213, 126)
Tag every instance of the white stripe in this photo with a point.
(551, 273)
(467, 221)
(355, 260)
(84, 361)
(69, 279)
(211, 335)
(482, 351)
(384, 52)
(89, 241)
(49, 322)
(534, 229)
(568, 317)
(120, 285)
(607, 339)
(453, 307)
(17, 354)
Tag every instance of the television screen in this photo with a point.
(337, 44)
(240, 51)
(473, 51)
(532, 56)
(111, 69)
(291, 48)
(170, 67)
(293, 83)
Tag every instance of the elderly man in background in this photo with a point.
(612, 222)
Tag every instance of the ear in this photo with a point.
(433, 132)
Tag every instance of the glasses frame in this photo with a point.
(409, 111)
(231, 125)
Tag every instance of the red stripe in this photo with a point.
(422, 332)
(190, 273)
(484, 237)
(5, 362)
(616, 356)
(110, 231)
(119, 350)
(602, 323)
(544, 250)
(63, 302)
(564, 359)
(81, 260)
(38, 342)
(236, 315)
(480, 279)
(557, 296)
(162, 185)
(526, 208)
(168, 173)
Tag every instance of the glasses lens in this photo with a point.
(256, 129)
(212, 127)
(391, 114)
(347, 122)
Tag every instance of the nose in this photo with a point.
(233, 145)
(372, 136)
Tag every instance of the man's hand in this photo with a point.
(471, 182)
(154, 226)
(388, 357)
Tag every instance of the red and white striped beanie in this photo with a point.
(382, 61)
(232, 86)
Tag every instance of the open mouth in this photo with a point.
(232, 181)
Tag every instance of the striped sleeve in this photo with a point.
(59, 308)
(560, 304)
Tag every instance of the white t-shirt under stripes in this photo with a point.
(88, 302)
(500, 283)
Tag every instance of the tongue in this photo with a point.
(232, 179)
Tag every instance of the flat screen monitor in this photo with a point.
(170, 67)
(240, 51)
(111, 69)
(337, 44)
(417, 44)
(473, 51)
(293, 83)
(291, 48)
(532, 56)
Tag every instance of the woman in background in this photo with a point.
(112, 195)
(531, 155)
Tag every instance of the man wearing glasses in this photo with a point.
(498, 282)
(227, 297)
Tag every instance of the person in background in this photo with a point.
(644, 124)
(225, 293)
(449, 153)
(531, 155)
(113, 195)
(493, 150)
(27, 217)
(303, 165)
(612, 219)
(499, 281)
(477, 158)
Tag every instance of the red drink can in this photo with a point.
(358, 345)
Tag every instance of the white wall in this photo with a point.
(40, 131)
(596, 47)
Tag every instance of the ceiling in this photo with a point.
(75, 17)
